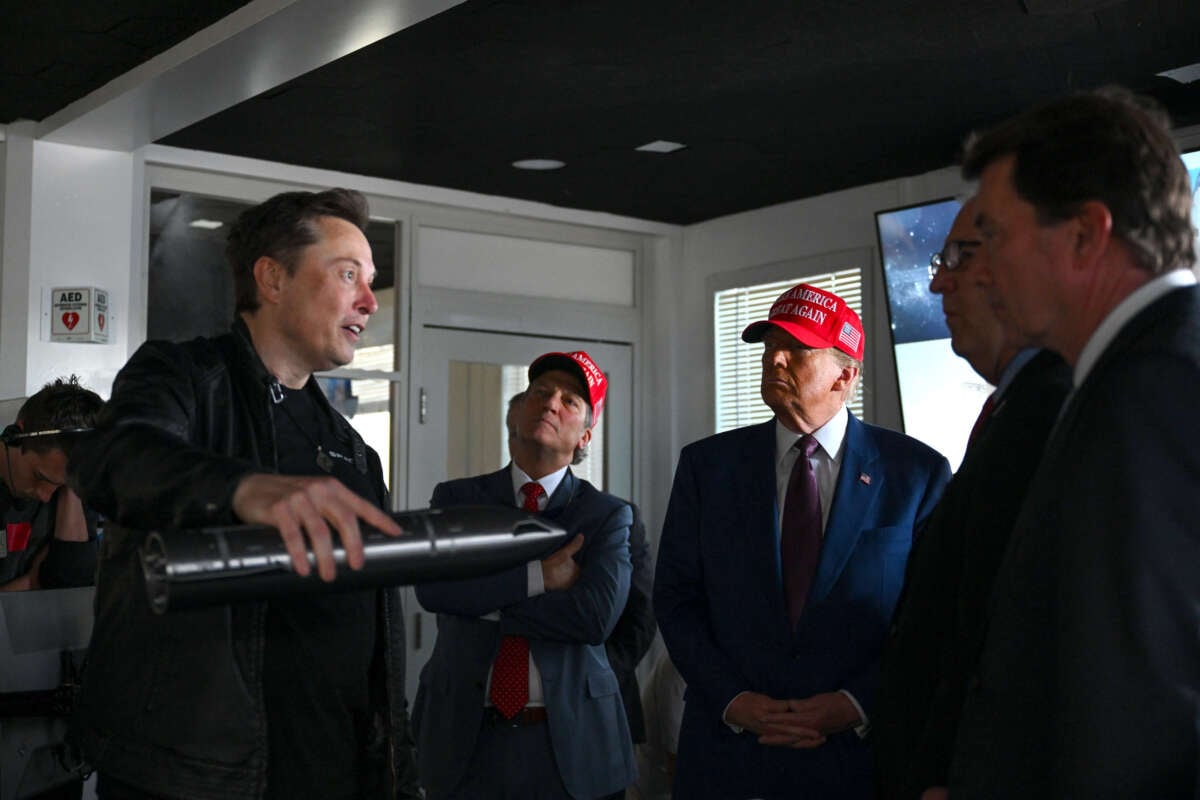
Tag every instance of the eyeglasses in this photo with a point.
(951, 256)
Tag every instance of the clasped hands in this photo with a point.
(798, 723)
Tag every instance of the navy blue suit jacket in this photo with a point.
(719, 601)
(566, 631)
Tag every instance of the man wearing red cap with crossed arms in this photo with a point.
(518, 699)
(782, 556)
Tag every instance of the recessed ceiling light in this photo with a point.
(539, 163)
(661, 146)
(207, 224)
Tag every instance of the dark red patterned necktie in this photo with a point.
(989, 406)
(510, 671)
(800, 530)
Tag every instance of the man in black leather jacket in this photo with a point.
(296, 697)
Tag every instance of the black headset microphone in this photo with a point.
(13, 434)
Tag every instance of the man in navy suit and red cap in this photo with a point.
(782, 555)
(518, 699)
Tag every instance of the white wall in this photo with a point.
(83, 223)
(17, 189)
(71, 217)
(2, 160)
(86, 210)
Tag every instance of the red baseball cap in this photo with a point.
(581, 365)
(816, 318)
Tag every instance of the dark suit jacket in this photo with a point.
(634, 633)
(719, 600)
(1089, 682)
(938, 629)
(566, 631)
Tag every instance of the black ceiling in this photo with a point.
(775, 99)
(57, 51)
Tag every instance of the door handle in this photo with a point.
(422, 406)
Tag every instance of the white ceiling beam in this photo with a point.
(256, 48)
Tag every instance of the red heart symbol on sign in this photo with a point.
(100, 321)
(70, 319)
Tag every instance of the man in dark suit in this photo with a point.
(634, 632)
(937, 632)
(779, 568)
(518, 699)
(1089, 680)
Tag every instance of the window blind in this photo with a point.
(739, 365)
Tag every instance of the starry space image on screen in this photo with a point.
(907, 238)
(1192, 162)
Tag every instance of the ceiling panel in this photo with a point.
(54, 52)
(775, 100)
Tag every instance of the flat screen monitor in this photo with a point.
(940, 395)
(1192, 162)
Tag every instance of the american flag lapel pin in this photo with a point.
(864, 479)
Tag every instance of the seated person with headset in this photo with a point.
(48, 542)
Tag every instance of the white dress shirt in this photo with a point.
(1124, 311)
(826, 461)
(533, 574)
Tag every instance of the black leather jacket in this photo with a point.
(174, 704)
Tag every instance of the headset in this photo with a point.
(13, 434)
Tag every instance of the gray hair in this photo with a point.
(847, 361)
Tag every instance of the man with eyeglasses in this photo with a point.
(935, 637)
(1088, 684)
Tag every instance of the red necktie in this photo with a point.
(800, 530)
(510, 671)
(989, 406)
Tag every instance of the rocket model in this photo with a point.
(186, 569)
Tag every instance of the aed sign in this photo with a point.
(79, 314)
